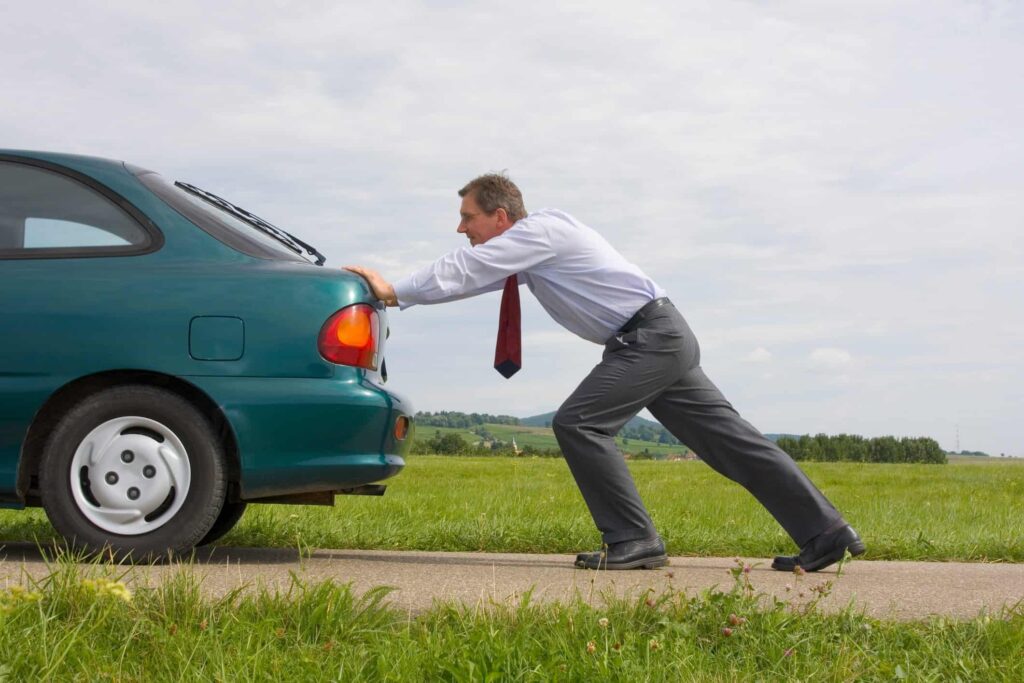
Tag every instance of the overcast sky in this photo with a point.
(830, 192)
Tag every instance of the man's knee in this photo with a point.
(565, 422)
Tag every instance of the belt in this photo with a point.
(644, 313)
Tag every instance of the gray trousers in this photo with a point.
(657, 366)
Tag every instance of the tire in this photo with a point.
(226, 521)
(135, 471)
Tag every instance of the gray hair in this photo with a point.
(495, 191)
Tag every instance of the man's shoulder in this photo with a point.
(550, 213)
(552, 219)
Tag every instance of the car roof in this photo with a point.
(78, 162)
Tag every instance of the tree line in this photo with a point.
(818, 448)
(451, 418)
(852, 448)
(454, 444)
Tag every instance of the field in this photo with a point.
(961, 511)
(81, 623)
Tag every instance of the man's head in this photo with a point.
(491, 204)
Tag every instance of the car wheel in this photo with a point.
(133, 470)
(226, 521)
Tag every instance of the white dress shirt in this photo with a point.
(579, 279)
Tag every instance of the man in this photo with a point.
(651, 360)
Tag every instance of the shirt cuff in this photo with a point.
(403, 292)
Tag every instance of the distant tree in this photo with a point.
(884, 449)
(856, 449)
(852, 448)
(791, 446)
(809, 448)
(450, 444)
(454, 419)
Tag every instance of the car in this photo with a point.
(168, 358)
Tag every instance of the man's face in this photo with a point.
(479, 226)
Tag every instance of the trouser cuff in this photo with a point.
(634, 534)
(830, 526)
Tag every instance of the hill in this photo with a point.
(638, 436)
(544, 420)
(776, 437)
(636, 429)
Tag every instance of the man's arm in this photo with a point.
(469, 271)
(466, 271)
(385, 291)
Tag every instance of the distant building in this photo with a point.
(685, 455)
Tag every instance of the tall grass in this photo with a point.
(924, 512)
(85, 624)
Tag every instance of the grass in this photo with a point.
(84, 624)
(907, 512)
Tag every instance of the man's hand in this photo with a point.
(382, 289)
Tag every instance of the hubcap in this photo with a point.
(130, 475)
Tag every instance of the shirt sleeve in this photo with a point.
(470, 271)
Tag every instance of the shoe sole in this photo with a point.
(855, 549)
(642, 563)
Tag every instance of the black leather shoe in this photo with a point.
(822, 550)
(645, 553)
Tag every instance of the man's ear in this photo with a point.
(503, 220)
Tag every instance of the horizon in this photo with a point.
(769, 433)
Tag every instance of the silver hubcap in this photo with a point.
(130, 475)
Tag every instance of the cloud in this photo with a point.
(830, 359)
(759, 355)
(810, 178)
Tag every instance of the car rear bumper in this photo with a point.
(301, 435)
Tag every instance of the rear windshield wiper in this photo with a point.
(286, 238)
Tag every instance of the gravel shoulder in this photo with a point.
(890, 590)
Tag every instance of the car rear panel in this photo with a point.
(302, 424)
(318, 435)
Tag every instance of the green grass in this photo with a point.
(919, 512)
(82, 624)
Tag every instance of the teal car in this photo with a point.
(167, 358)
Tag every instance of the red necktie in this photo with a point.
(508, 356)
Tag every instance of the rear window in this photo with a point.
(218, 222)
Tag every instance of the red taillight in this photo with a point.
(349, 337)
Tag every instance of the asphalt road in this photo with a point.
(896, 590)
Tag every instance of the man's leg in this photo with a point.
(630, 376)
(697, 414)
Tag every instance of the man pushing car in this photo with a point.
(651, 360)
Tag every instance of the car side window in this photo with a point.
(46, 214)
(43, 233)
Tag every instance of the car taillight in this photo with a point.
(349, 337)
(401, 428)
